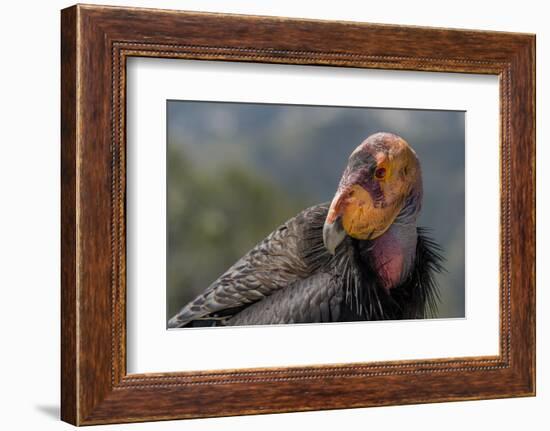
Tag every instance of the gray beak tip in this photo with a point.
(333, 235)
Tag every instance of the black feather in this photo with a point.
(291, 278)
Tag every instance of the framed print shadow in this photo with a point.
(322, 214)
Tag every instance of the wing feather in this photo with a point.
(292, 252)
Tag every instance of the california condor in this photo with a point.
(360, 257)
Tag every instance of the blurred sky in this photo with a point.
(295, 154)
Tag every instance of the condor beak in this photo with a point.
(333, 234)
(333, 229)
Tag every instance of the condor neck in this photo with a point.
(392, 254)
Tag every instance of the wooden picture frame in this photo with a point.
(95, 43)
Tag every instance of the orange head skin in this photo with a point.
(382, 180)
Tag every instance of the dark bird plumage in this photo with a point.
(293, 277)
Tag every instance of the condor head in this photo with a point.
(382, 180)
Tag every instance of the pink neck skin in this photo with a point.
(393, 254)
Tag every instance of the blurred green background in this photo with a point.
(235, 171)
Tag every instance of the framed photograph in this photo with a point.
(264, 214)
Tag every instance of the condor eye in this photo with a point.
(380, 173)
